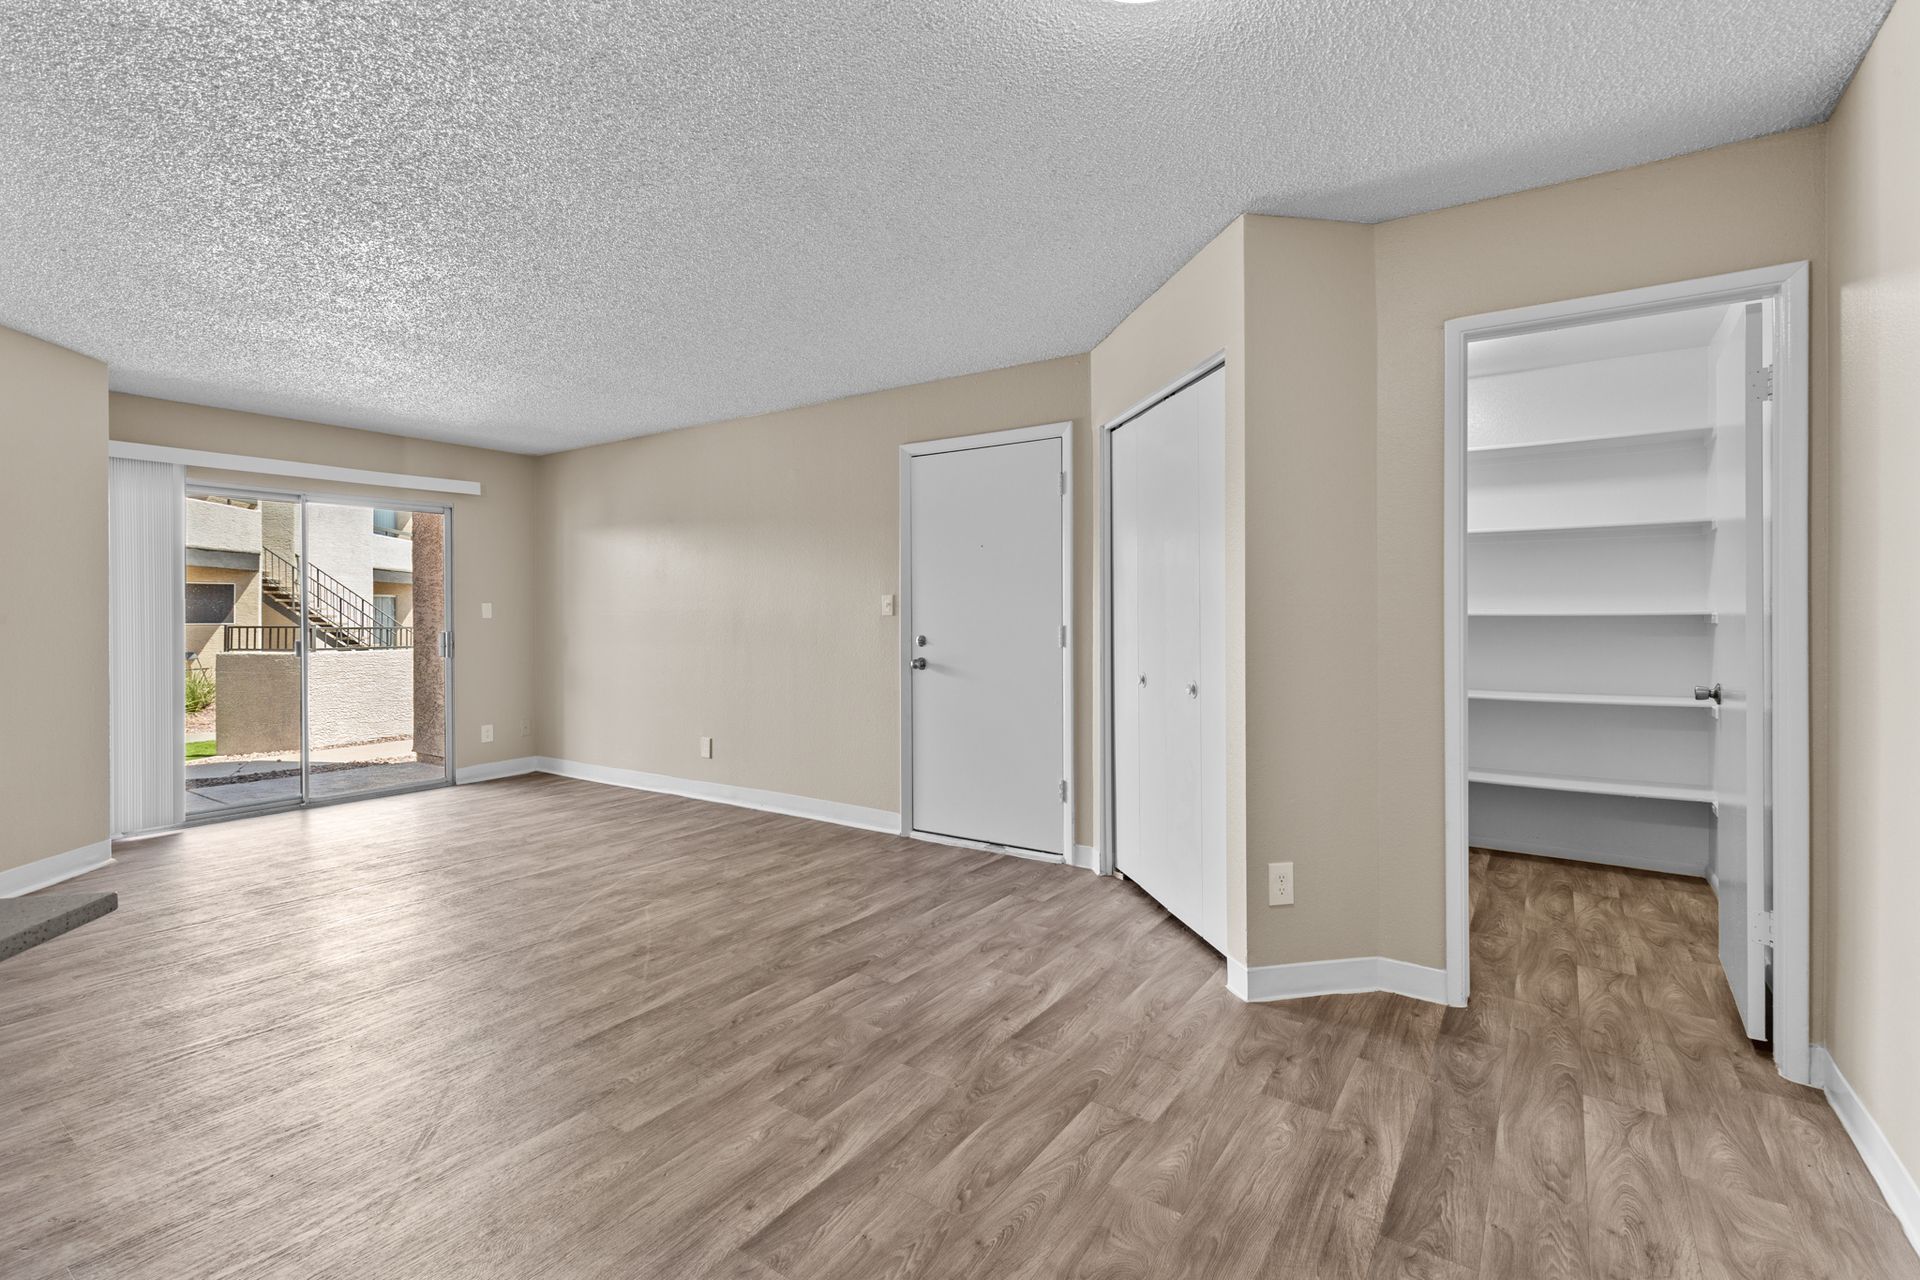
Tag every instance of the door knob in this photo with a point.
(1701, 693)
(1193, 690)
(1143, 680)
(919, 664)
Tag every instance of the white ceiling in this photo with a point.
(541, 224)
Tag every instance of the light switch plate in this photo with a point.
(486, 611)
(706, 748)
(1279, 884)
(886, 606)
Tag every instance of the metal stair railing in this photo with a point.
(334, 609)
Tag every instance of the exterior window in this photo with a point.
(386, 617)
(209, 603)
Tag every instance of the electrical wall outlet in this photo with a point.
(1279, 884)
(526, 728)
(706, 748)
(486, 733)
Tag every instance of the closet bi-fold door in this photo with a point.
(1168, 754)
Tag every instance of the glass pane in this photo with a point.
(376, 706)
(243, 670)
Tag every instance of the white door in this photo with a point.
(1168, 492)
(1741, 851)
(987, 604)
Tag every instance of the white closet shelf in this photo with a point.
(1581, 611)
(1593, 786)
(1587, 444)
(1591, 699)
(1615, 527)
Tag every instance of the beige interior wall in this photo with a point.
(1199, 312)
(725, 581)
(1747, 205)
(53, 637)
(493, 548)
(1870, 880)
(1309, 586)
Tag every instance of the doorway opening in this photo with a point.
(1626, 642)
(317, 662)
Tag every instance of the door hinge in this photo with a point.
(1760, 383)
(1763, 928)
(1063, 791)
(1063, 484)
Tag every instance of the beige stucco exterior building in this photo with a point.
(242, 603)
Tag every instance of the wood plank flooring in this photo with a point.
(542, 1028)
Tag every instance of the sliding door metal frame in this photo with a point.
(445, 640)
(303, 645)
(264, 495)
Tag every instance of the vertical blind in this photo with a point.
(146, 638)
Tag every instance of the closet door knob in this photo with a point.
(919, 664)
(1143, 680)
(1193, 690)
(1702, 694)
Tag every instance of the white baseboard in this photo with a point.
(497, 769)
(1336, 977)
(61, 866)
(1085, 857)
(846, 815)
(1883, 1162)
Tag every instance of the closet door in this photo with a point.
(1156, 626)
(1742, 855)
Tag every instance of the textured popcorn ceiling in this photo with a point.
(544, 224)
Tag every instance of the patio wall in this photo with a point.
(354, 696)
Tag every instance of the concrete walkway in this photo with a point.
(232, 789)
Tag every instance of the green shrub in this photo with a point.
(199, 689)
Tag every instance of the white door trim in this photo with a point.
(1103, 850)
(1063, 432)
(1789, 778)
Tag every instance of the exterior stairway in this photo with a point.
(341, 618)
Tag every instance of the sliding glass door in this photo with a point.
(376, 680)
(315, 651)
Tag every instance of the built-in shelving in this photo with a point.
(1589, 444)
(1593, 786)
(1591, 699)
(1597, 559)
(1676, 527)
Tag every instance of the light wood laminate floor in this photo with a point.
(543, 1028)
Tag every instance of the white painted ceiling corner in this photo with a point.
(535, 226)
